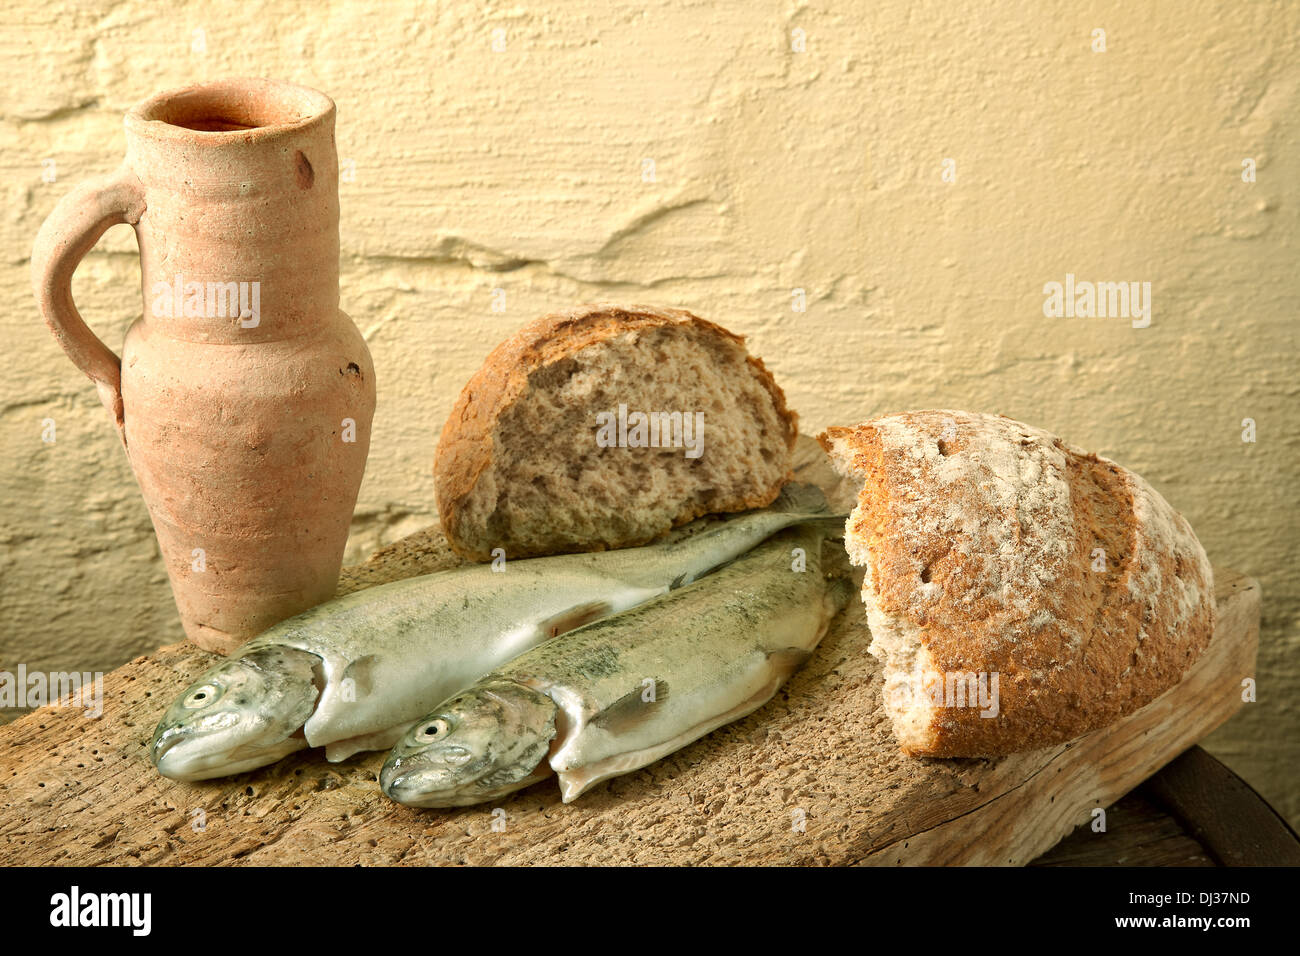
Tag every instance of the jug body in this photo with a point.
(244, 396)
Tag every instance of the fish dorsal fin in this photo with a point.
(575, 617)
(634, 708)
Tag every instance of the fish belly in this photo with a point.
(598, 754)
(699, 701)
(373, 695)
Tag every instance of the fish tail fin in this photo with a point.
(808, 503)
(830, 525)
(801, 498)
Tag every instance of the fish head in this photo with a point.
(241, 714)
(483, 743)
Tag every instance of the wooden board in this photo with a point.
(814, 777)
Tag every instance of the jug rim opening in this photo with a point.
(229, 110)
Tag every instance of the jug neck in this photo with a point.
(239, 236)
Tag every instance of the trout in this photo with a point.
(353, 673)
(618, 694)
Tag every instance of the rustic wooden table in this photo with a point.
(814, 777)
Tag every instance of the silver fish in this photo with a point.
(353, 673)
(620, 693)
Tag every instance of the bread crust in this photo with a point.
(981, 538)
(465, 448)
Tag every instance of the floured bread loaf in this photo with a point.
(1020, 591)
(604, 427)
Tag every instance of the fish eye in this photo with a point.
(434, 729)
(202, 695)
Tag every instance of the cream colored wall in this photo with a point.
(521, 170)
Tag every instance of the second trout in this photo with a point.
(618, 694)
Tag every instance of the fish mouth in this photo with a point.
(176, 753)
(163, 741)
(190, 757)
(179, 757)
(418, 780)
(413, 780)
(411, 785)
(410, 791)
(416, 790)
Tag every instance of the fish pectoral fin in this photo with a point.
(577, 778)
(575, 617)
(632, 709)
(338, 750)
(788, 660)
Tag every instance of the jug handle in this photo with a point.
(83, 215)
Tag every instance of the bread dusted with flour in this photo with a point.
(604, 427)
(1020, 591)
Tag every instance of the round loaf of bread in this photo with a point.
(1020, 592)
(604, 427)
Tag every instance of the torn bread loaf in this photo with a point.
(1020, 591)
(604, 427)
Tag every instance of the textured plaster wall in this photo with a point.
(502, 147)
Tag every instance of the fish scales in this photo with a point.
(362, 667)
(716, 658)
(629, 689)
(375, 642)
(634, 640)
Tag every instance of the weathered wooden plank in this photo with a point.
(1138, 833)
(812, 778)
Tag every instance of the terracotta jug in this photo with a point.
(243, 396)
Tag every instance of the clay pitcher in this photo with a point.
(243, 396)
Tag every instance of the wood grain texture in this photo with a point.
(75, 790)
(1138, 833)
